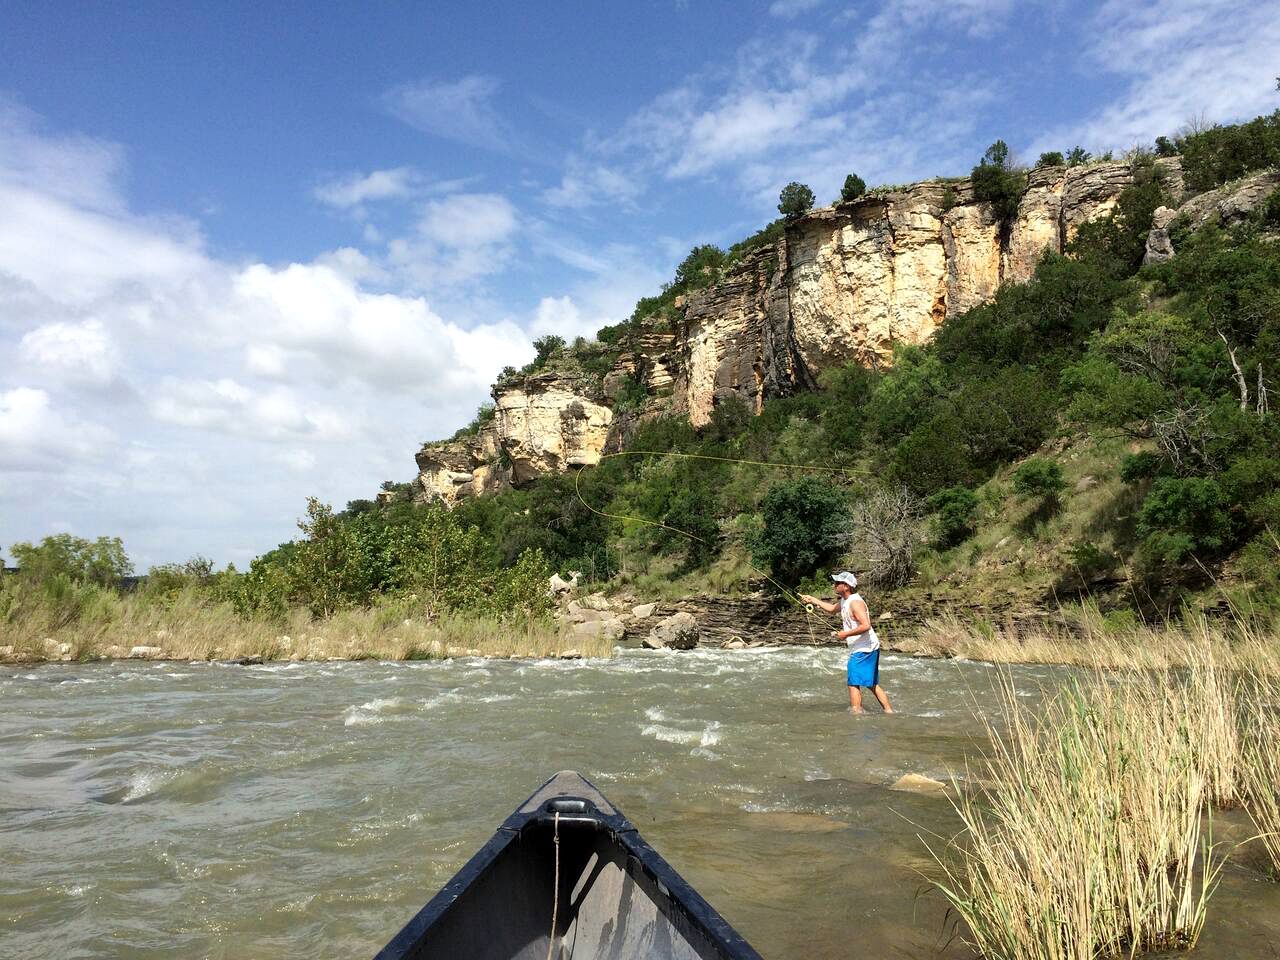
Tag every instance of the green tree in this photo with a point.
(1184, 516)
(1078, 156)
(854, 187)
(545, 348)
(795, 200)
(804, 521)
(102, 561)
(699, 269)
(997, 182)
(1051, 158)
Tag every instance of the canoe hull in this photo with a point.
(617, 897)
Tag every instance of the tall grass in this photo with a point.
(1087, 841)
(1260, 768)
(85, 622)
(1087, 837)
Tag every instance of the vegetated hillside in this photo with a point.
(1104, 426)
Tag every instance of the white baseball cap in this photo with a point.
(844, 576)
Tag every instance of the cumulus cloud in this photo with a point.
(461, 110)
(82, 353)
(252, 384)
(357, 189)
(35, 436)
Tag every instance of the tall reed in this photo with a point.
(1087, 840)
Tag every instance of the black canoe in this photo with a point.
(617, 898)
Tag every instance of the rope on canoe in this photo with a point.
(555, 902)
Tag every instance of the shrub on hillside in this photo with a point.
(805, 521)
(1078, 156)
(795, 200)
(854, 187)
(887, 532)
(1039, 478)
(1184, 516)
(955, 510)
(1051, 158)
(1220, 154)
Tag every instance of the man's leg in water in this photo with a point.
(880, 695)
(855, 699)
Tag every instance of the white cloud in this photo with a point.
(258, 383)
(460, 110)
(82, 353)
(787, 9)
(1184, 59)
(586, 184)
(358, 189)
(469, 220)
(34, 436)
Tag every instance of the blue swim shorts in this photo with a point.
(864, 668)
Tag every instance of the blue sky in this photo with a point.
(251, 252)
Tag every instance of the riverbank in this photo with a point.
(191, 626)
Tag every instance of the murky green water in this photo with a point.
(307, 810)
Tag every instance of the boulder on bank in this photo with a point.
(677, 632)
(609, 629)
(146, 653)
(644, 611)
(558, 585)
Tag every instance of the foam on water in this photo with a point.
(375, 711)
(144, 783)
(708, 736)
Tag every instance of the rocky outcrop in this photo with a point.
(541, 424)
(1227, 205)
(846, 283)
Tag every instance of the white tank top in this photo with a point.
(863, 642)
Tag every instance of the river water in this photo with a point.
(308, 810)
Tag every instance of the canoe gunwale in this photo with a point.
(564, 794)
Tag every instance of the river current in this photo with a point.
(308, 810)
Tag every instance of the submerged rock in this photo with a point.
(918, 783)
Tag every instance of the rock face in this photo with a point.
(845, 283)
(541, 424)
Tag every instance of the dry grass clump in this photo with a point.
(1087, 841)
(192, 626)
(1082, 636)
(1260, 770)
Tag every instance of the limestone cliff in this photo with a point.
(845, 283)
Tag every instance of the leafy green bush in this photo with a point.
(1052, 158)
(699, 269)
(102, 561)
(955, 510)
(997, 182)
(1220, 154)
(804, 521)
(1078, 156)
(1136, 467)
(854, 187)
(1039, 478)
(795, 200)
(1184, 516)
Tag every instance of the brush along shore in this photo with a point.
(192, 627)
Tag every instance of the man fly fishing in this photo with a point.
(856, 630)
